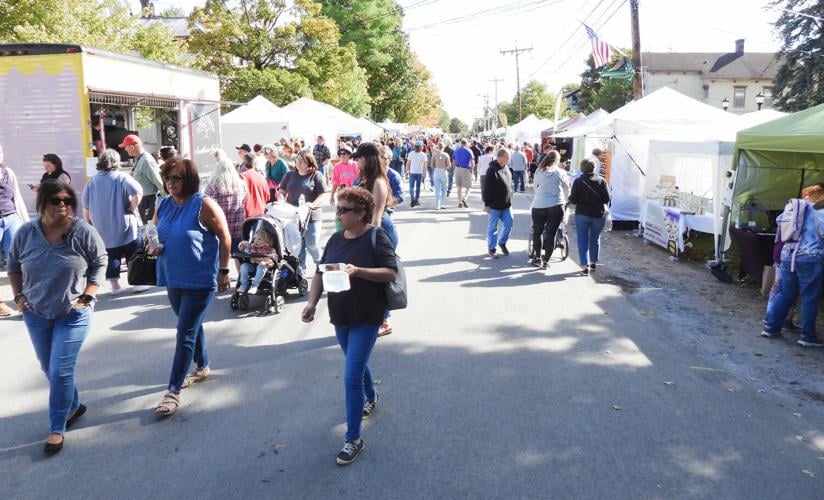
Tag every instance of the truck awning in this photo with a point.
(147, 100)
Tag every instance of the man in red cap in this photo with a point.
(146, 173)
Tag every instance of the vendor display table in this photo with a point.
(756, 251)
(665, 226)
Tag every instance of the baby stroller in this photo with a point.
(284, 274)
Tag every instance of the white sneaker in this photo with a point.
(140, 288)
(253, 290)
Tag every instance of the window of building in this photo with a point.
(767, 91)
(739, 97)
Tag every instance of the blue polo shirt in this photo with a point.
(463, 157)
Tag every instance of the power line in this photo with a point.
(569, 38)
(501, 9)
(581, 45)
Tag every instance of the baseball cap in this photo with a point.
(130, 140)
(366, 149)
(245, 147)
(345, 148)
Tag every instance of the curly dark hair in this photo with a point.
(361, 198)
(191, 179)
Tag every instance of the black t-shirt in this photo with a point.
(311, 186)
(365, 302)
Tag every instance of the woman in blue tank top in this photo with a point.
(192, 264)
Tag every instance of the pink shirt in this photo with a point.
(345, 174)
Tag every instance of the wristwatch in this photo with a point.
(224, 271)
(87, 299)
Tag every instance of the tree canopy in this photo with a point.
(798, 84)
(535, 100)
(600, 92)
(104, 24)
(399, 85)
(279, 49)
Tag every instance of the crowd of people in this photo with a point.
(87, 238)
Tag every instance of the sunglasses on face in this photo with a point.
(173, 178)
(345, 210)
(65, 200)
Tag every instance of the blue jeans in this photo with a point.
(588, 230)
(357, 343)
(451, 175)
(8, 226)
(248, 268)
(415, 186)
(310, 244)
(493, 238)
(440, 179)
(806, 284)
(431, 180)
(116, 257)
(389, 226)
(190, 308)
(397, 166)
(57, 343)
(518, 179)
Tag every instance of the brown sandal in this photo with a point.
(168, 405)
(199, 375)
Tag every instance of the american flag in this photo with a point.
(601, 53)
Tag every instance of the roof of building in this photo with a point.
(177, 26)
(732, 65)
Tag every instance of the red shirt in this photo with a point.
(257, 193)
(530, 155)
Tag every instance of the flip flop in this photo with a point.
(384, 331)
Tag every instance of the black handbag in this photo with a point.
(142, 269)
(395, 290)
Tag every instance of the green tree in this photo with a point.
(399, 86)
(798, 83)
(456, 126)
(173, 12)
(599, 92)
(103, 24)
(283, 37)
(535, 100)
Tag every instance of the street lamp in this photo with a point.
(725, 103)
(759, 99)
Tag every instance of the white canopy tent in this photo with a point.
(528, 130)
(581, 144)
(758, 117)
(393, 127)
(309, 118)
(257, 122)
(663, 115)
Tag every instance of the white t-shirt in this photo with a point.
(417, 162)
(260, 163)
(483, 163)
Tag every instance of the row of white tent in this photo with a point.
(260, 121)
(664, 133)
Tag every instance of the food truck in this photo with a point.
(75, 101)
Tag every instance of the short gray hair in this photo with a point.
(268, 149)
(587, 167)
(108, 160)
(502, 152)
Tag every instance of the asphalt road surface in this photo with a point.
(499, 381)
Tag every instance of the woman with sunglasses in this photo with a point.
(56, 262)
(356, 313)
(193, 261)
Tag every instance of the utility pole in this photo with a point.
(485, 119)
(495, 114)
(517, 53)
(638, 81)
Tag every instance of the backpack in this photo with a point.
(790, 224)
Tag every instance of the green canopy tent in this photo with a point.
(771, 163)
(774, 160)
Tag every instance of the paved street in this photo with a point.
(498, 382)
